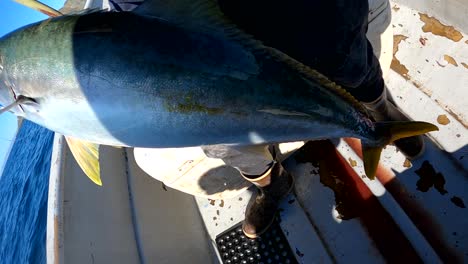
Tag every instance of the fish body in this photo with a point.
(174, 74)
(130, 80)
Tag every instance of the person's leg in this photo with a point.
(248, 160)
(259, 166)
(372, 92)
(329, 36)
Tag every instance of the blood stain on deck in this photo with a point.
(433, 25)
(450, 60)
(443, 120)
(396, 64)
(458, 201)
(343, 199)
(299, 253)
(422, 41)
(428, 178)
(345, 202)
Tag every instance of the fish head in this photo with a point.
(11, 97)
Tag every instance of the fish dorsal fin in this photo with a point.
(87, 156)
(206, 14)
(41, 7)
(188, 13)
(312, 74)
(200, 15)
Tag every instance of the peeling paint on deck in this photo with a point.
(452, 114)
(407, 163)
(352, 162)
(443, 120)
(450, 60)
(396, 65)
(433, 25)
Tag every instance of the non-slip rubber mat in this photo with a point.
(271, 247)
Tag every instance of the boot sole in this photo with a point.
(257, 234)
(417, 156)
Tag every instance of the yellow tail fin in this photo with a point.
(391, 131)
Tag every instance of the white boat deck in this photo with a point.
(414, 210)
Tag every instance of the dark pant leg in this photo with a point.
(327, 35)
(252, 160)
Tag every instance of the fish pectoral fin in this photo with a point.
(43, 8)
(87, 156)
(389, 132)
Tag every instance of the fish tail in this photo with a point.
(390, 131)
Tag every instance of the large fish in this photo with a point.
(173, 75)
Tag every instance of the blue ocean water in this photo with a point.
(23, 191)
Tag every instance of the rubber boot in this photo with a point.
(383, 109)
(272, 186)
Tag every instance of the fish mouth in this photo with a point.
(17, 100)
(17, 105)
(15, 97)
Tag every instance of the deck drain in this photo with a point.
(271, 247)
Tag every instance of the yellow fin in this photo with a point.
(87, 156)
(403, 129)
(371, 157)
(389, 132)
(43, 8)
